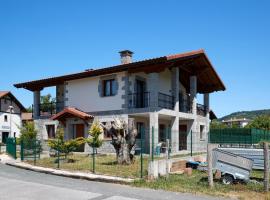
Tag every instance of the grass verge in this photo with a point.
(105, 165)
(197, 183)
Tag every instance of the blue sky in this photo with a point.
(39, 39)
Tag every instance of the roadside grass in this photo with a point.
(197, 183)
(105, 165)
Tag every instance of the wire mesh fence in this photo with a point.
(151, 145)
(30, 149)
(239, 136)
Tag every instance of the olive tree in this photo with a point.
(123, 136)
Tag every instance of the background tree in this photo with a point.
(123, 139)
(215, 124)
(95, 133)
(47, 103)
(28, 137)
(29, 109)
(65, 146)
(260, 122)
(28, 132)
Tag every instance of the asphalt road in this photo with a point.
(27, 185)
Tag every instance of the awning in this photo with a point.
(71, 112)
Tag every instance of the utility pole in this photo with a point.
(10, 119)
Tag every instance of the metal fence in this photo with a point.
(11, 147)
(238, 136)
(30, 150)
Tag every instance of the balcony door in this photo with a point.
(140, 94)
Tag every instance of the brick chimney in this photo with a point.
(126, 56)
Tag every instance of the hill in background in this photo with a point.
(246, 114)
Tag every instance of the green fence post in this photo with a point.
(191, 143)
(152, 156)
(94, 164)
(22, 156)
(58, 155)
(15, 148)
(35, 159)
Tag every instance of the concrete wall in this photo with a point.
(84, 94)
(40, 125)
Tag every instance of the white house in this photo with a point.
(10, 116)
(239, 122)
(159, 93)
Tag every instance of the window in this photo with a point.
(5, 118)
(201, 132)
(109, 87)
(50, 131)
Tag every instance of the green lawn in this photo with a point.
(197, 183)
(105, 165)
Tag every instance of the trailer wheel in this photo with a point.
(227, 179)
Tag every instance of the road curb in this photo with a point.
(75, 175)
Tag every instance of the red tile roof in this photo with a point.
(191, 63)
(70, 112)
(3, 93)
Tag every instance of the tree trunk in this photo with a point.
(123, 141)
(123, 156)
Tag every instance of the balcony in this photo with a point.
(165, 101)
(139, 100)
(49, 109)
(142, 100)
(185, 106)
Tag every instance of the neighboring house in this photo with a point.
(159, 93)
(10, 116)
(27, 117)
(241, 122)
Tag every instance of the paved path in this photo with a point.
(27, 185)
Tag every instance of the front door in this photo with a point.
(80, 133)
(79, 130)
(182, 137)
(4, 137)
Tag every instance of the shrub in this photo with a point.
(95, 133)
(64, 146)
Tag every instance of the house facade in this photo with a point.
(10, 116)
(160, 94)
